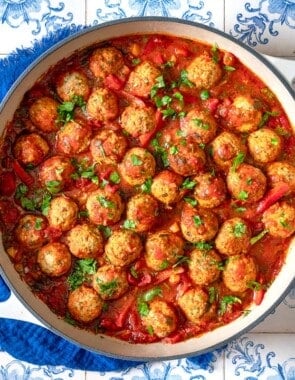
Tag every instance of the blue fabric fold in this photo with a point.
(26, 341)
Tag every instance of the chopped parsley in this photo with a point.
(229, 68)
(204, 94)
(197, 220)
(149, 295)
(202, 245)
(243, 195)
(188, 184)
(129, 224)
(191, 201)
(237, 161)
(146, 186)
(265, 117)
(200, 124)
(53, 187)
(258, 237)
(135, 160)
(106, 230)
(115, 177)
(66, 109)
(226, 301)
(239, 229)
(83, 268)
(84, 171)
(108, 288)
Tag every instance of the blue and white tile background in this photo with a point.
(268, 351)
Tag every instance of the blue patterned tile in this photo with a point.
(27, 20)
(261, 357)
(265, 25)
(207, 12)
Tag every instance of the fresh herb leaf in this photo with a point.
(239, 229)
(106, 230)
(202, 245)
(66, 109)
(265, 117)
(105, 202)
(147, 185)
(237, 161)
(83, 268)
(136, 161)
(200, 123)
(243, 195)
(115, 177)
(258, 237)
(53, 187)
(191, 201)
(227, 301)
(197, 220)
(188, 184)
(229, 68)
(108, 288)
(129, 224)
(204, 94)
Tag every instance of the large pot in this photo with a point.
(284, 280)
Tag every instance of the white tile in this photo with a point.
(266, 26)
(12, 368)
(209, 12)
(261, 356)
(174, 370)
(26, 23)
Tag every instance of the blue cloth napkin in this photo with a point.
(26, 341)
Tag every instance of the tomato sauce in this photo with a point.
(154, 259)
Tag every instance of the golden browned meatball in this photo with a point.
(56, 170)
(166, 187)
(105, 61)
(84, 304)
(142, 79)
(199, 124)
(233, 237)
(246, 183)
(186, 157)
(110, 282)
(73, 138)
(239, 272)
(30, 149)
(54, 259)
(225, 147)
(279, 219)
(30, 231)
(265, 145)
(136, 120)
(62, 213)
(123, 247)
(210, 190)
(108, 143)
(102, 105)
(71, 84)
(43, 114)
(163, 249)
(204, 266)
(198, 224)
(281, 172)
(194, 303)
(161, 319)
(203, 71)
(242, 115)
(138, 165)
(142, 212)
(85, 241)
(104, 207)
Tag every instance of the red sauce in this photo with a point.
(172, 77)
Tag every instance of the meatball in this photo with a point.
(104, 207)
(62, 213)
(105, 61)
(142, 79)
(194, 303)
(85, 304)
(246, 183)
(136, 120)
(110, 282)
(225, 147)
(233, 237)
(210, 190)
(239, 272)
(58, 170)
(30, 149)
(166, 187)
(198, 224)
(138, 165)
(204, 266)
(186, 157)
(199, 124)
(71, 84)
(161, 319)
(279, 220)
(54, 259)
(102, 105)
(163, 249)
(85, 241)
(73, 138)
(43, 114)
(108, 143)
(264, 145)
(203, 71)
(123, 247)
(242, 115)
(30, 231)
(281, 172)
(142, 212)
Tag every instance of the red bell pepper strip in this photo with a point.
(113, 82)
(23, 175)
(273, 196)
(145, 138)
(258, 296)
